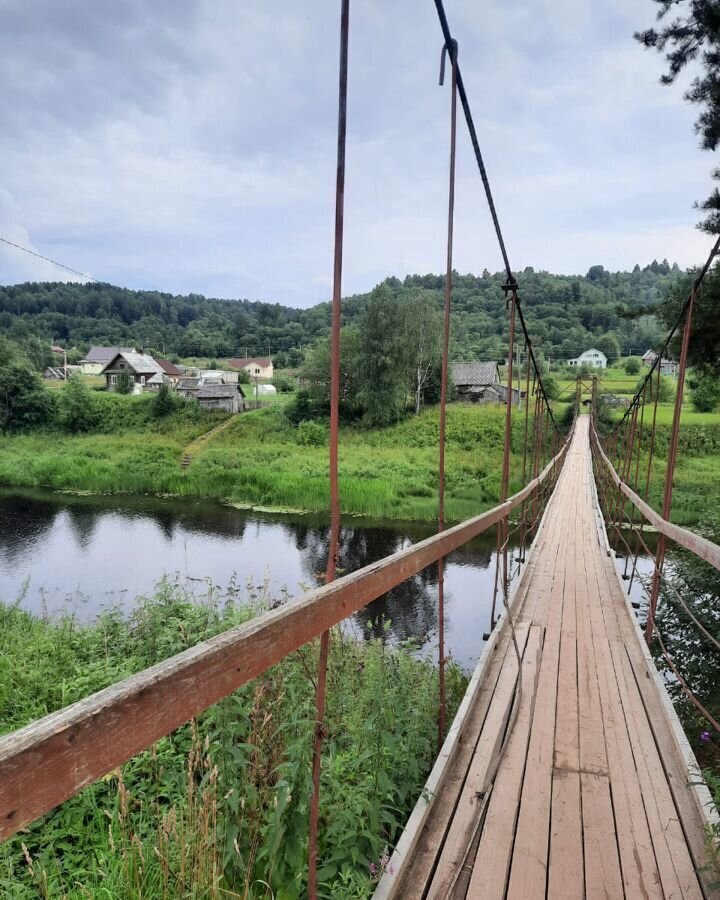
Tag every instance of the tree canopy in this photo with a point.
(566, 314)
(694, 38)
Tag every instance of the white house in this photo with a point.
(255, 366)
(592, 357)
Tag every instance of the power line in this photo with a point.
(47, 259)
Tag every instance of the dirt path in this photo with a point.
(199, 443)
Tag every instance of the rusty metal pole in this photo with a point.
(334, 430)
(523, 534)
(505, 485)
(670, 469)
(452, 49)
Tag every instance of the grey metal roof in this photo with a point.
(140, 363)
(208, 391)
(474, 373)
(188, 384)
(105, 355)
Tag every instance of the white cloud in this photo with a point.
(190, 146)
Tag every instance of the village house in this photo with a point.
(477, 382)
(229, 397)
(98, 357)
(186, 387)
(256, 367)
(667, 366)
(143, 370)
(60, 373)
(170, 370)
(593, 357)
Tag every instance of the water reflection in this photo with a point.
(88, 553)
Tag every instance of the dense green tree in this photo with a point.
(566, 315)
(164, 402)
(124, 383)
(633, 366)
(77, 410)
(25, 402)
(382, 363)
(610, 346)
(694, 38)
(704, 349)
(705, 392)
(422, 327)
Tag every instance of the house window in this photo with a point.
(142, 379)
(257, 371)
(113, 379)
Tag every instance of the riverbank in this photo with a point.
(260, 461)
(221, 805)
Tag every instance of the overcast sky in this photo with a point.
(189, 145)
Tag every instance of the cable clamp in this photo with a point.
(453, 50)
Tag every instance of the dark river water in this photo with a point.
(86, 553)
(62, 552)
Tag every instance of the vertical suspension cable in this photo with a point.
(452, 49)
(523, 533)
(670, 469)
(505, 485)
(334, 429)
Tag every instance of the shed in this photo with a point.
(229, 397)
(477, 382)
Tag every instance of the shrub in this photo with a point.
(632, 366)
(124, 384)
(25, 402)
(665, 393)
(77, 407)
(164, 402)
(706, 393)
(311, 433)
(283, 384)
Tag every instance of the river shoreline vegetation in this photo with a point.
(221, 805)
(262, 460)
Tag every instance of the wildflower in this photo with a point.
(704, 735)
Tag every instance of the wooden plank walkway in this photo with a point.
(593, 797)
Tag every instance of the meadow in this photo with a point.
(219, 808)
(261, 460)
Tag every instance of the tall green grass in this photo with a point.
(259, 460)
(220, 807)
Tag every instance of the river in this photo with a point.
(63, 552)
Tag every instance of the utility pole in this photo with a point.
(517, 350)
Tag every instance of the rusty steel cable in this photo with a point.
(671, 459)
(334, 432)
(511, 280)
(657, 362)
(444, 376)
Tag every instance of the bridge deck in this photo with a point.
(591, 798)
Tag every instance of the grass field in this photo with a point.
(262, 461)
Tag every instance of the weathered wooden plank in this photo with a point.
(640, 873)
(463, 826)
(528, 873)
(677, 873)
(492, 863)
(413, 861)
(76, 746)
(566, 862)
(603, 879)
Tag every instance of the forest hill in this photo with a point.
(566, 314)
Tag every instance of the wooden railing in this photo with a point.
(52, 759)
(695, 543)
